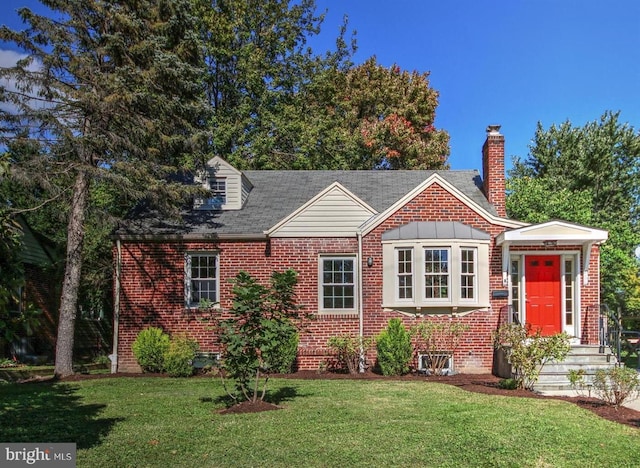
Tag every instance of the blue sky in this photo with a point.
(509, 62)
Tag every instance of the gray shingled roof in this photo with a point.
(277, 194)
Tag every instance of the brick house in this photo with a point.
(368, 246)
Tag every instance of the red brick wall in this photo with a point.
(152, 290)
(475, 353)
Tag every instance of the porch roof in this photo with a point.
(552, 233)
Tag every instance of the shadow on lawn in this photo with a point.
(50, 412)
(276, 397)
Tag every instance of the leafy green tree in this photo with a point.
(261, 323)
(110, 92)
(279, 105)
(588, 175)
(390, 113)
(258, 61)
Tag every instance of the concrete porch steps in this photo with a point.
(554, 376)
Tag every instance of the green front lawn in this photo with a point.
(119, 422)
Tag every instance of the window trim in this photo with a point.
(218, 196)
(397, 251)
(188, 256)
(440, 299)
(390, 298)
(337, 256)
(473, 275)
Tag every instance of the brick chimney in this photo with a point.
(493, 169)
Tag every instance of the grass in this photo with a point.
(174, 422)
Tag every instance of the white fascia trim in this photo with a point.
(319, 196)
(217, 160)
(523, 236)
(436, 178)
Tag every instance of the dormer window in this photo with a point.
(227, 187)
(218, 189)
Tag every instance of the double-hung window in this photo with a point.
(404, 262)
(218, 189)
(468, 273)
(201, 278)
(420, 273)
(338, 283)
(436, 273)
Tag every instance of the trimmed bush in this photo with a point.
(149, 349)
(178, 359)
(349, 350)
(281, 359)
(394, 348)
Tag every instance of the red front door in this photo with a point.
(542, 276)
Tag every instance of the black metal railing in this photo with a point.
(609, 330)
(508, 315)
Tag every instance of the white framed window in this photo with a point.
(201, 278)
(569, 291)
(468, 273)
(455, 274)
(338, 283)
(440, 363)
(218, 189)
(436, 273)
(404, 263)
(516, 275)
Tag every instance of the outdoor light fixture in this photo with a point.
(370, 261)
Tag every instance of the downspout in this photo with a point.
(361, 364)
(116, 308)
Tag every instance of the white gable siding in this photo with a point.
(237, 187)
(245, 189)
(334, 214)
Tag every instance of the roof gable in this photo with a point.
(436, 178)
(334, 212)
(235, 183)
(553, 231)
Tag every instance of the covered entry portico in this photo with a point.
(546, 268)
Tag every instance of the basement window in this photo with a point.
(438, 363)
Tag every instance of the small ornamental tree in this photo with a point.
(528, 352)
(438, 341)
(252, 340)
(394, 348)
(350, 351)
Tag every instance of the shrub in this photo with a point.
(149, 349)
(528, 353)
(614, 386)
(178, 359)
(394, 348)
(282, 357)
(438, 340)
(349, 350)
(508, 384)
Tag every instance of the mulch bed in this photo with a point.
(478, 383)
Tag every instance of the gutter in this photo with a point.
(361, 363)
(191, 237)
(116, 309)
